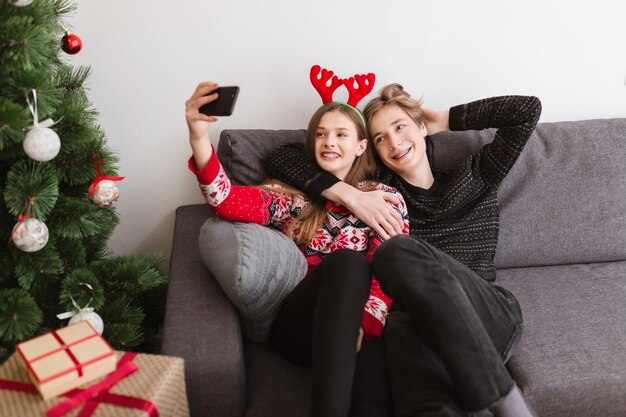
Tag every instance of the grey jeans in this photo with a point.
(449, 334)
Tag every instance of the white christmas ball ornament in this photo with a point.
(93, 318)
(20, 3)
(30, 235)
(105, 194)
(42, 144)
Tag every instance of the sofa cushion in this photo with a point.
(571, 359)
(256, 267)
(564, 201)
(242, 151)
(552, 209)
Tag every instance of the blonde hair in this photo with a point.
(303, 229)
(395, 94)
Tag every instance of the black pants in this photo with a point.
(318, 325)
(371, 393)
(450, 334)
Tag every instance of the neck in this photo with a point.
(422, 177)
(340, 174)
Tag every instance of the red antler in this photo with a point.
(365, 86)
(321, 84)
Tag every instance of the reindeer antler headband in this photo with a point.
(365, 84)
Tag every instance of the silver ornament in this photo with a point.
(42, 144)
(105, 194)
(20, 3)
(90, 316)
(30, 235)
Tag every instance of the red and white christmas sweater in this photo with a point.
(340, 229)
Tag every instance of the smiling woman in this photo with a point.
(336, 128)
(337, 143)
(323, 320)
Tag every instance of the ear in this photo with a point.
(361, 147)
(423, 129)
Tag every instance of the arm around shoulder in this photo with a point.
(290, 164)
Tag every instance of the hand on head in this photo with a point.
(435, 121)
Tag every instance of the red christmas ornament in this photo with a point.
(71, 43)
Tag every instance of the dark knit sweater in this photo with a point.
(459, 213)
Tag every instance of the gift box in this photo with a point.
(66, 358)
(142, 385)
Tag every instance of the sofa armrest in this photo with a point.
(202, 326)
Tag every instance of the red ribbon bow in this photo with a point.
(94, 395)
(100, 176)
(20, 219)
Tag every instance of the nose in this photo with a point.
(395, 140)
(330, 141)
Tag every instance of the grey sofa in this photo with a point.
(561, 251)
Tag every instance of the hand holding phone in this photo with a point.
(224, 104)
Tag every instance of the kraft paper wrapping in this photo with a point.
(51, 368)
(160, 380)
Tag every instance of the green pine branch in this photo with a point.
(31, 189)
(73, 219)
(37, 268)
(13, 121)
(20, 316)
(74, 288)
(72, 252)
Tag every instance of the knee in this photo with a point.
(403, 259)
(391, 249)
(401, 250)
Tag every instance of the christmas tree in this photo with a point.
(58, 182)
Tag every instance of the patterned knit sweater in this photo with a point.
(340, 229)
(459, 213)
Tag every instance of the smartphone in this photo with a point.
(225, 103)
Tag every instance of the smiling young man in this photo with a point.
(400, 143)
(452, 330)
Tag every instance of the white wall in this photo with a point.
(147, 56)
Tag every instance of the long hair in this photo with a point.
(363, 168)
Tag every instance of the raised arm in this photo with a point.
(224, 199)
(515, 118)
(199, 123)
(290, 165)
